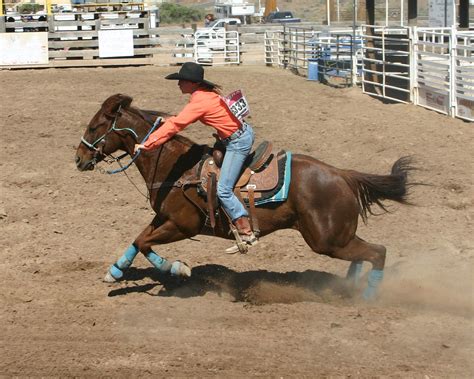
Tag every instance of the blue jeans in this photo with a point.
(237, 151)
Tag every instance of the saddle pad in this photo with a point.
(282, 193)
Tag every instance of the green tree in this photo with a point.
(174, 14)
(29, 8)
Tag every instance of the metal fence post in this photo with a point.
(452, 70)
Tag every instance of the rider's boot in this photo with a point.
(245, 232)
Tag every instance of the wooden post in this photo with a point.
(360, 10)
(370, 12)
(332, 11)
(412, 12)
(463, 14)
(1, 8)
(328, 12)
(51, 28)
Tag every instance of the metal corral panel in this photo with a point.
(217, 47)
(433, 68)
(464, 76)
(386, 62)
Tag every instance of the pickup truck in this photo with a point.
(281, 17)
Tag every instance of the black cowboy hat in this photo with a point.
(193, 72)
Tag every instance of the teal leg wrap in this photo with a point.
(127, 258)
(124, 262)
(115, 272)
(160, 263)
(375, 278)
(354, 271)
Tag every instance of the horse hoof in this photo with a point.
(180, 269)
(109, 278)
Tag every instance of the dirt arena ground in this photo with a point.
(270, 313)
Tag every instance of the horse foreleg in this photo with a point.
(115, 271)
(357, 251)
(152, 235)
(165, 233)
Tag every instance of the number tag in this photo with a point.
(238, 105)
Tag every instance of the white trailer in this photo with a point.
(234, 8)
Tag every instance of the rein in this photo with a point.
(155, 124)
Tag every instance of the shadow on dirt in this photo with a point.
(256, 287)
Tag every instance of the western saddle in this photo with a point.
(260, 175)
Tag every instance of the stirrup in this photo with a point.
(243, 245)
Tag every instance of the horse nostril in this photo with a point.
(78, 160)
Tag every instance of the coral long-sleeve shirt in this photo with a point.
(205, 106)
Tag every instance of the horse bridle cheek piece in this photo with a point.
(98, 145)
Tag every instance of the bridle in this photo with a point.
(98, 149)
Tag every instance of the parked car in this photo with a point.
(214, 36)
(223, 22)
(281, 17)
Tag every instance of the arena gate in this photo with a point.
(386, 62)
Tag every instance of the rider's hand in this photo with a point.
(137, 147)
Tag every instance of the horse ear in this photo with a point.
(112, 104)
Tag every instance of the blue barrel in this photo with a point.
(313, 70)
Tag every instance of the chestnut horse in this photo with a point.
(324, 202)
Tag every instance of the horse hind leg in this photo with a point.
(357, 251)
(327, 240)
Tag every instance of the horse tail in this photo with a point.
(372, 189)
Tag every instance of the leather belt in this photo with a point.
(236, 134)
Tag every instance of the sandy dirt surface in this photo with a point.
(276, 312)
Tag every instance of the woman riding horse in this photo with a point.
(206, 105)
